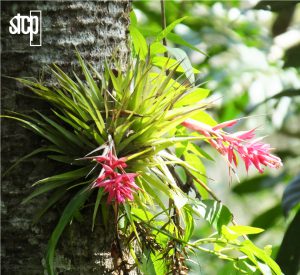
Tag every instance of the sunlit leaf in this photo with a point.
(194, 96)
(235, 231)
(181, 56)
(168, 29)
(139, 42)
(169, 63)
(215, 213)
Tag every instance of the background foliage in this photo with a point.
(252, 67)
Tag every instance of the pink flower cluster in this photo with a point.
(119, 186)
(251, 151)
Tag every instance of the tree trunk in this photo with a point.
(99, 31)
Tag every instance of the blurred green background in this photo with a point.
(252, 66)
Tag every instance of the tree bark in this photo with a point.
(99, 30)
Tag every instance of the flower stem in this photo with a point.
(163, 22)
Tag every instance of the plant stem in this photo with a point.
(163, 25)
(163, 22)
(213, 195)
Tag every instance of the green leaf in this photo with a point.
(181, 56)
(98, 200)
(235, 231)
(150, 190)
(46, 187)
(168, 29)
(198, 151)
(159, 263)
(58, 194)
(133, 19)
(51, 136)
(142, 214)
(177, 39)
(67, 134)
(204, 117)
(105, 214)
(95, 95)
(56, 181)
(63, 159)
(131, 220)
(181, 148)
(169, 64)
(139, 42)
(192, 97)
(33, 153)
(76, 120)
(214, 212)
(68, 213)
(147, 266)
(153, 179)
(157, 48)
(67, 176)
(249, 248)
(181, 173)
(188, 222)
(194, 161)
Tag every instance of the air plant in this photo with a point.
(123, 136)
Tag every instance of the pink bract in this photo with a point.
(119, 186)
(251, 151)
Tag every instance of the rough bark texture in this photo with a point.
(99, 30)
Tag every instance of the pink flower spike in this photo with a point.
(101, 159)
(196, 125)
(245, 135)
(107, 168)
(118, 164)
(119, 186)
(228, 123)
(251, 150)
